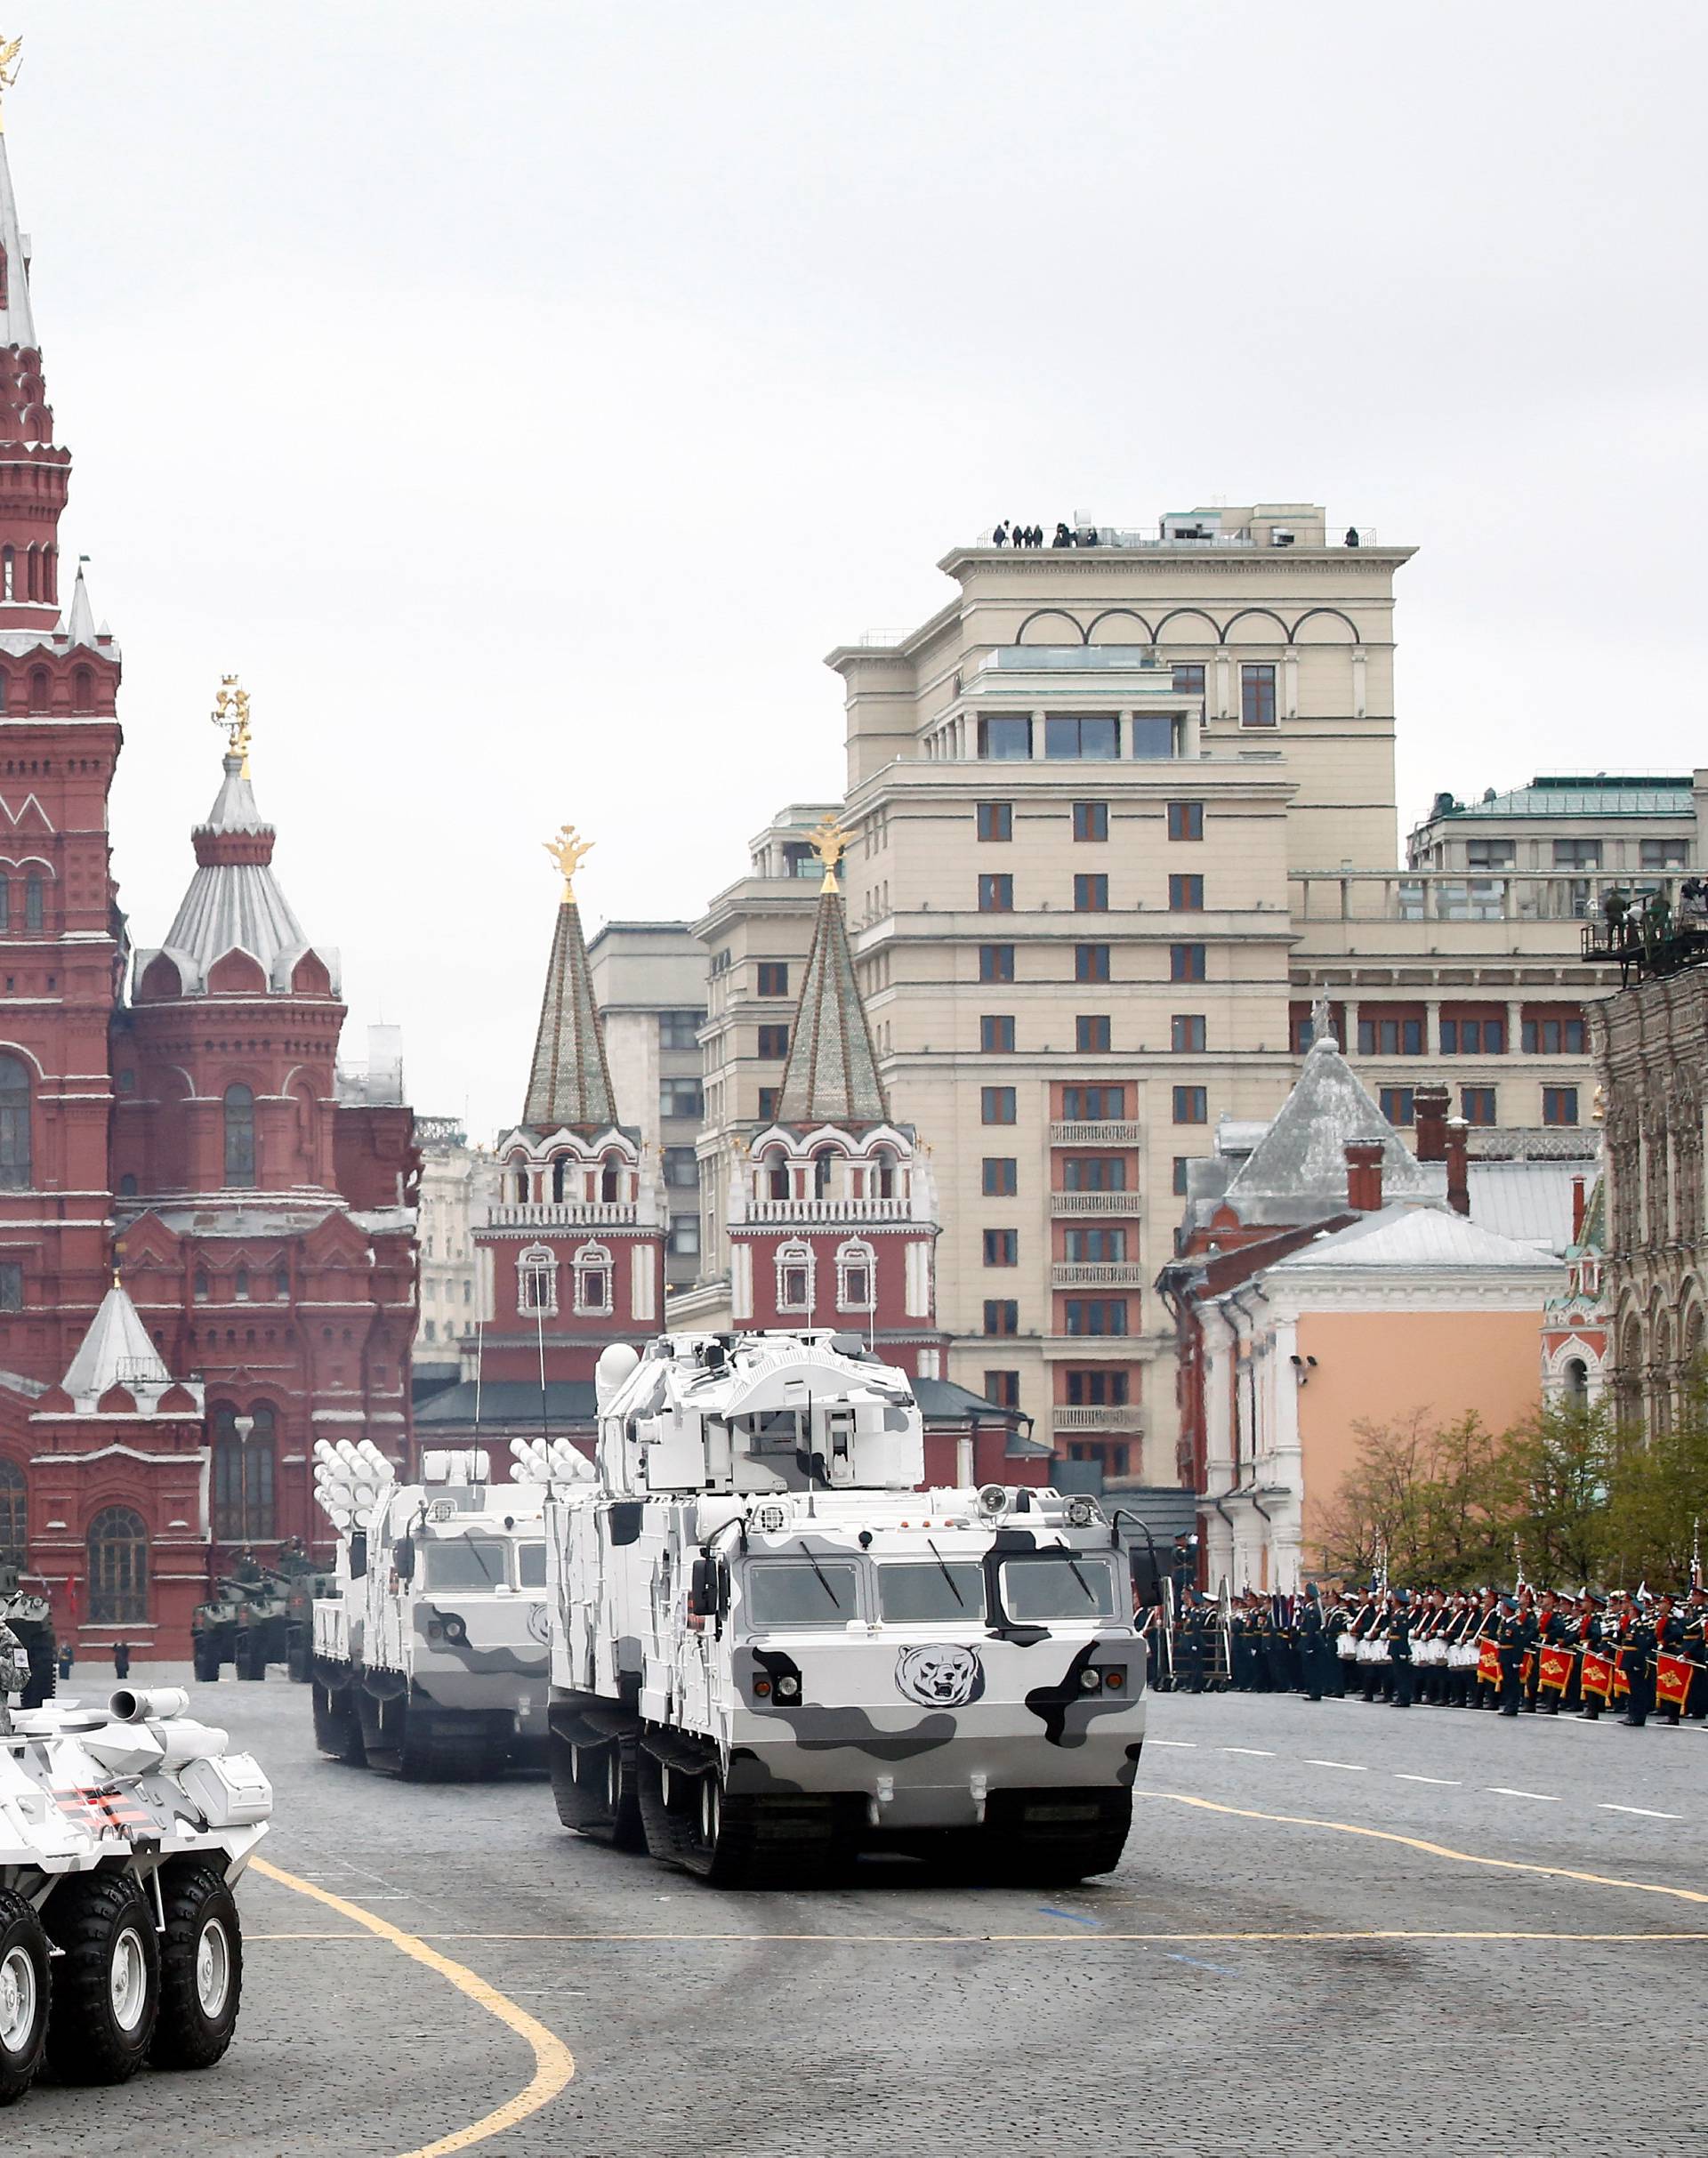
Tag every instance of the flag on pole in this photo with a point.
(1672, 1681)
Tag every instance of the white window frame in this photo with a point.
(590, 1260)
(789, 1256)
(537, 1263)
(856, 1253)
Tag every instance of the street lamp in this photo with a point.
(243, 1426)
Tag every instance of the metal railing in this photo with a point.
(1095, 1203)
(829, 1210)
(1436, 895)
(1081, 1131)
(1096, 1273)
(1128, 1417)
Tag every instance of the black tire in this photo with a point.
(201, 1971)
(732, 1840)
(298, 1662)
(594, 1782)
(206, 1658)
(26, 1990)
(338, 1728)
(101, 2019)
(249, 1658)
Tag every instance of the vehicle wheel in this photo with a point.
(1043, 1836)
(201, 1971)
(338, 1728)
(207, 1663)
(594, 1785)
(249, 1659)
(691, 1820)
(25, 1991)
(298, 1662)
(106, 1980)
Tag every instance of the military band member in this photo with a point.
(1639, 1662)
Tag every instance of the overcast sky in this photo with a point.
(525, 397)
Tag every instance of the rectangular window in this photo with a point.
(1186, 1033)
(1002, 1247)
(1153, 735)
(997, 1034)
(1186, 895)
(1093, 1104)
(1046, 1586)
(785, 1593)
(995, 963)
(1094, 1246)
(768, 1097)
(773, 978)
(1002, 1176)
(1473, 1037)
(1577, 854)
(1094, 1173)
(1180, 1186)
(1390, 1037)
(996, 1105)
(1091, 963)
(1091, 895)
(1191, 1105)
(681, 1098)
(1092, 1033)
(1002, 1316)
(774, 1044)
(995, 820)
(1186, 962)
(1005, 741)
(1082, 735)
(1257, 694)
(1477, 1104)
(12, 1286)
(685, 1235)
(1186, 820)
(1560, 1105)
(996, 895)
(1002, 1389)
(1489, 854)
(1091, 820)
(1097, 1389)
(1189, 677)
(1398, 1105)
(1555, 1036)
(680, 1029)
(931, 1594)
(1095, 1315)
(1664, 853)
(681, 1171)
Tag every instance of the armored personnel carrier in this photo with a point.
(771, 1649)
(30, 1617)
(430, 1653)
(261, 1614)
(123, 1830)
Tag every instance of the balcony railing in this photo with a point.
(1129, 1416)
(1096, 1203)
(1096, 1273)
(1080, 1132)
(1437, 895)
(566, 1213)
(829, 1210)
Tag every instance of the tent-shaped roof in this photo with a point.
(569, 1082)
(832, 1073)
(1300, 1163)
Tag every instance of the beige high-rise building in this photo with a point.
(1118, 812)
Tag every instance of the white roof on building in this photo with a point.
(1414, 1239)
(117, 1351)
(1303, 1155)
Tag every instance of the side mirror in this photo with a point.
(708, 1588)
(402, 1558)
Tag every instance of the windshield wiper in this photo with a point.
(1091, 1594)
(947, 1576)
(824, 1579)
(468, 1538)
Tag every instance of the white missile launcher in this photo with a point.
(771, 1649)
(123, 1830)
(429, 1656)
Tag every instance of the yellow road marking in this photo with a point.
(553, 2063)
(1433, 1850)
(963, 1940)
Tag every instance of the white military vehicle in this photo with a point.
(429, 1655)
(769, 1648)
(122, 1832)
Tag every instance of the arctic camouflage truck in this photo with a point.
(771, 1649)
(429, 1652)
(123, 1830)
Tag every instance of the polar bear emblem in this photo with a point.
(941, 1676)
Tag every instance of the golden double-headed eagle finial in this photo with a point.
(10, 63)
(829, 842)
(569, 851)
(231, 711)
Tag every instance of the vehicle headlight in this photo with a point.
(788, 1687)
(1081, 1513)
(456, 1629)
(1090, 1679)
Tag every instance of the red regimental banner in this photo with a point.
(1672, 1681)
(1598, 1675)
(1488, 1664)
(1556, 1670)
(1621, 1676)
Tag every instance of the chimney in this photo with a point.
(1458, 1173)
(1363, 1175)
(1578, 1209)
(1430, 1108)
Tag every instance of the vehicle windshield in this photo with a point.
(925, 1592)
(802, 1592)
(464, 1562)
(1059, 1585)
(530, 1561)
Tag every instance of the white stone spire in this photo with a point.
(17, 324)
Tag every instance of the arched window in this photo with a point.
(883, 1184)
(536, 1281)
(778, 1168)
(243, 1473)
(241, 1290)
(127, 1186)
(14, 1513)
(40, 688)
(794, 1272)
(35, 903)
(821, 1164)
(1577, 1378)
(282, 1282)
(592, 1278)
(8, 579)
(522, 1182)
(857, 1275)
(15, 1161)
(610, 1171)
(83, 691)
(200, 1286)
(118, 1568)
(33, 573)
(5, 903)
(560, 1167)
(239, 1139)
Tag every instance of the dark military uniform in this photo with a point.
(1399, 1650)
(1640, 1666)
(1512, 1638)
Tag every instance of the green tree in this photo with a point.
(1555, 1473)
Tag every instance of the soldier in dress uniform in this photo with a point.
(1335, 1621)
(1589, 1636)
(1639, 1662)
(1512, 1637)
(1189, 1644)
(1486, 1694)
(1312, 1652)
(1399, 1649)
(1695, 1649)
(1550, 1633)
(1669, 1641)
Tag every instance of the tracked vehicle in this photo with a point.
(771, 1649)
(430, 1653)
(123, 1830)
